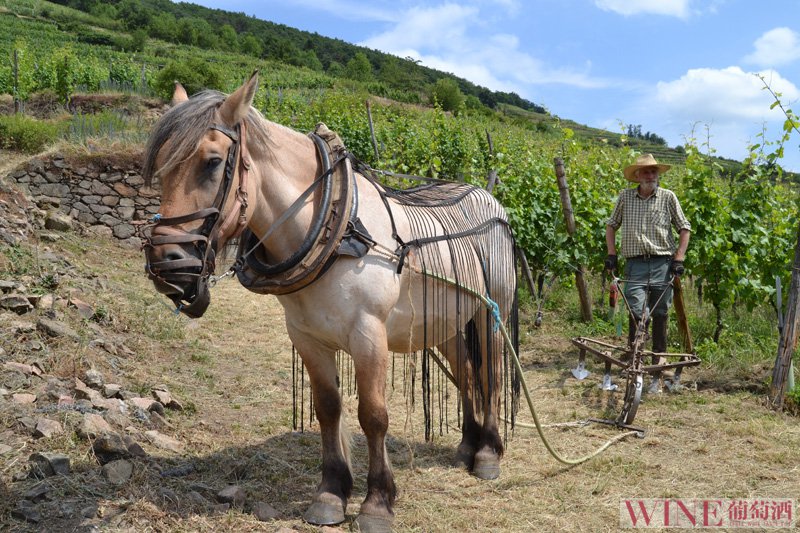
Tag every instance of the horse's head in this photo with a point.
(198, 152)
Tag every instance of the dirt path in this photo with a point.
(232, 371)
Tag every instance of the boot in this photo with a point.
(659, 346)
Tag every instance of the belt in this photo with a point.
(647, 257)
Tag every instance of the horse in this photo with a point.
(359, 267)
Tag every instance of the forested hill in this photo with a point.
(215, 29)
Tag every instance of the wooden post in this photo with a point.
(788, 340)
(16, 82)
(372, 131)
(491, 180)
(526, 270)
(569, 218)
(680, 313)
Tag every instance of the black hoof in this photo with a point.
(372, 524)
(324, 514)
(465, 458)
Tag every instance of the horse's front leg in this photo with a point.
(329, 503)
(368, 348)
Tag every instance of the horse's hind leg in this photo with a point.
(457, 353)
(490, 447)
(329, 503)
(370, 359)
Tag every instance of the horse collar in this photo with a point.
(327, 236)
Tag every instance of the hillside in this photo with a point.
(119, 415)
(180, 31)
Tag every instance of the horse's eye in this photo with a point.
(212, 163)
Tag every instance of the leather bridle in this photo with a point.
(176, 272)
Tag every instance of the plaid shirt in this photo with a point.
(646, 222)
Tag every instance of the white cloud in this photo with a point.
(731, 103)
(723, 95)
(672, 8)
(455, 38)
(779, 46)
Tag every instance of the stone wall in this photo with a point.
(107, 197)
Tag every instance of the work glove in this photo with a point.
(611, 262)
(677, 267)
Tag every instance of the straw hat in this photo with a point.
(644, 160)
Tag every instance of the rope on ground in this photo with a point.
(524, 387)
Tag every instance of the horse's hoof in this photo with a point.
(365, 523)
(487, 465)
(324, 514)
(464, 459)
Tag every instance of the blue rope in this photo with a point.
(178, 309)
(495, 309)
(156, 217)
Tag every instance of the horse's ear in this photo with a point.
(179, 95)
(235, 107)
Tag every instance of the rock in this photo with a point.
(118, 472)
(93, 425)
(46, 428)
(264, 511)
(84, 309)
(16, 303)
(109, 404)
(112, 446)
(46, 301)
(58, 221)
(179, 471)
(232, 494)
(56, 389)
(54, 328)
(44, 464)
(196, 499)
(27, 423)
(116, 418)
(26, 511)
(5, 448)
(164, 442)
(159, 421)
(111, 390)
(37, 492)
(93, 378)
(165, 398)
(66, 400)
(23, 398)
(28, 370)
(147, 404)
(85, 393)
(8, 286)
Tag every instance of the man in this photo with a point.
(647, 215)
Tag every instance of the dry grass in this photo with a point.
(232, 369)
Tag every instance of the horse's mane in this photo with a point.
(185, 125)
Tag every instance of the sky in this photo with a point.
(682, 69)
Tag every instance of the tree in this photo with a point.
(194, 74)
(447, 94)
(359, 68)
(228, 38)
(250, 45)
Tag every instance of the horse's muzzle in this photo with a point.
(175, 273)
